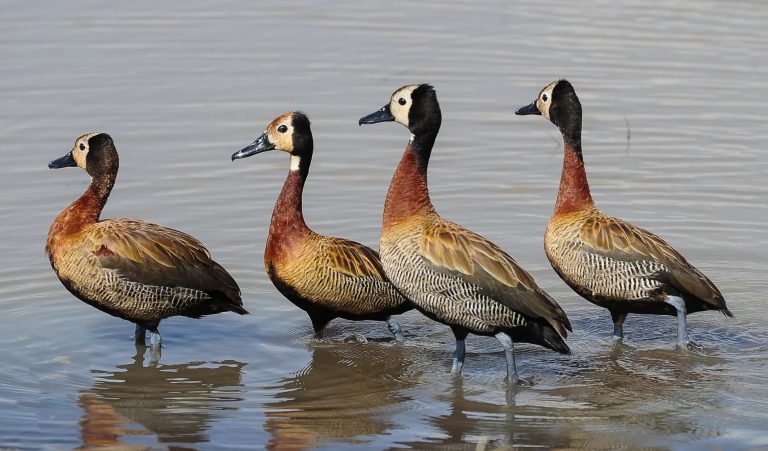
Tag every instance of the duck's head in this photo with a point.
(289, 132)
(93, 152)
(559, 103)
(414, 106)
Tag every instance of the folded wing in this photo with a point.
(619, 240)
(353, 259)
(151, 254)
(450, 248)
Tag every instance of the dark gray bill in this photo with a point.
(261, 144)
(382, 115)
(67, 161)
(528, 109)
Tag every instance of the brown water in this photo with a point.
(181, 85)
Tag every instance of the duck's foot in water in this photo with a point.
(396, 330)
(683, 342)
(690, 345)
(509, 351)
(617, 346)
(525, 382)
(155, 340)
(356, 338)
(155, 352)
(618, 332)
(458, 357)
(514, 389)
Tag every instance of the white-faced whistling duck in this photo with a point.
(606, 260)
(326, 277)
(134, 270)
(455, 276)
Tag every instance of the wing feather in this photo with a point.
(353, 259)
(453, 249)
(614, 238)
(156, 255)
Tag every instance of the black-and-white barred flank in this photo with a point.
(121, 297)
(449, 298)
(603, 276)
(342, 292)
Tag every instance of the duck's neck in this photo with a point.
(288, 224)
(84, 211)
(574, 188)
(408, 193)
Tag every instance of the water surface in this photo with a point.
(674, 133)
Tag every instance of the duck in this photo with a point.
(453, 275)
(606, 260)
(134, 270)
(325, 276)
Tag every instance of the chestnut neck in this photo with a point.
(408, 193)
(574, 188)
(85, 210)
(287, 218)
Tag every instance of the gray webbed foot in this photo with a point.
(690, 345)
(356, 338)
(394, 327)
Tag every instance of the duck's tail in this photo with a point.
(540, 333)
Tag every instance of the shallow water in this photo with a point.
(674, 104)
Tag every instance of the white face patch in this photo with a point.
(280, 132)
(80, 149)
(295, 161)
(544, 101)
(400, 103)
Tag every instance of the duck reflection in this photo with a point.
(668, 386)
(480, 417)
(460, 424)
(618, 398)
(344, 394)
(175, 403)
(471, 423)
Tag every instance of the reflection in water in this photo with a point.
(606, 395)
(181, 85)
(175, 403)
(615, 396)
(622, 382)
(459, 425)
(344, 394)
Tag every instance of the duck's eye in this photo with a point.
(282, 128)
(401, 101)
(82, 146)
(544, 98)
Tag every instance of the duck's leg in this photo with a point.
(683, 342)
(458, 357)
(509, 350)
(319, 322)
(618, 324)
(394, 327)
(460, 352)
(155, 340)
(155, 343)
(140, 335)
(155, 352)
